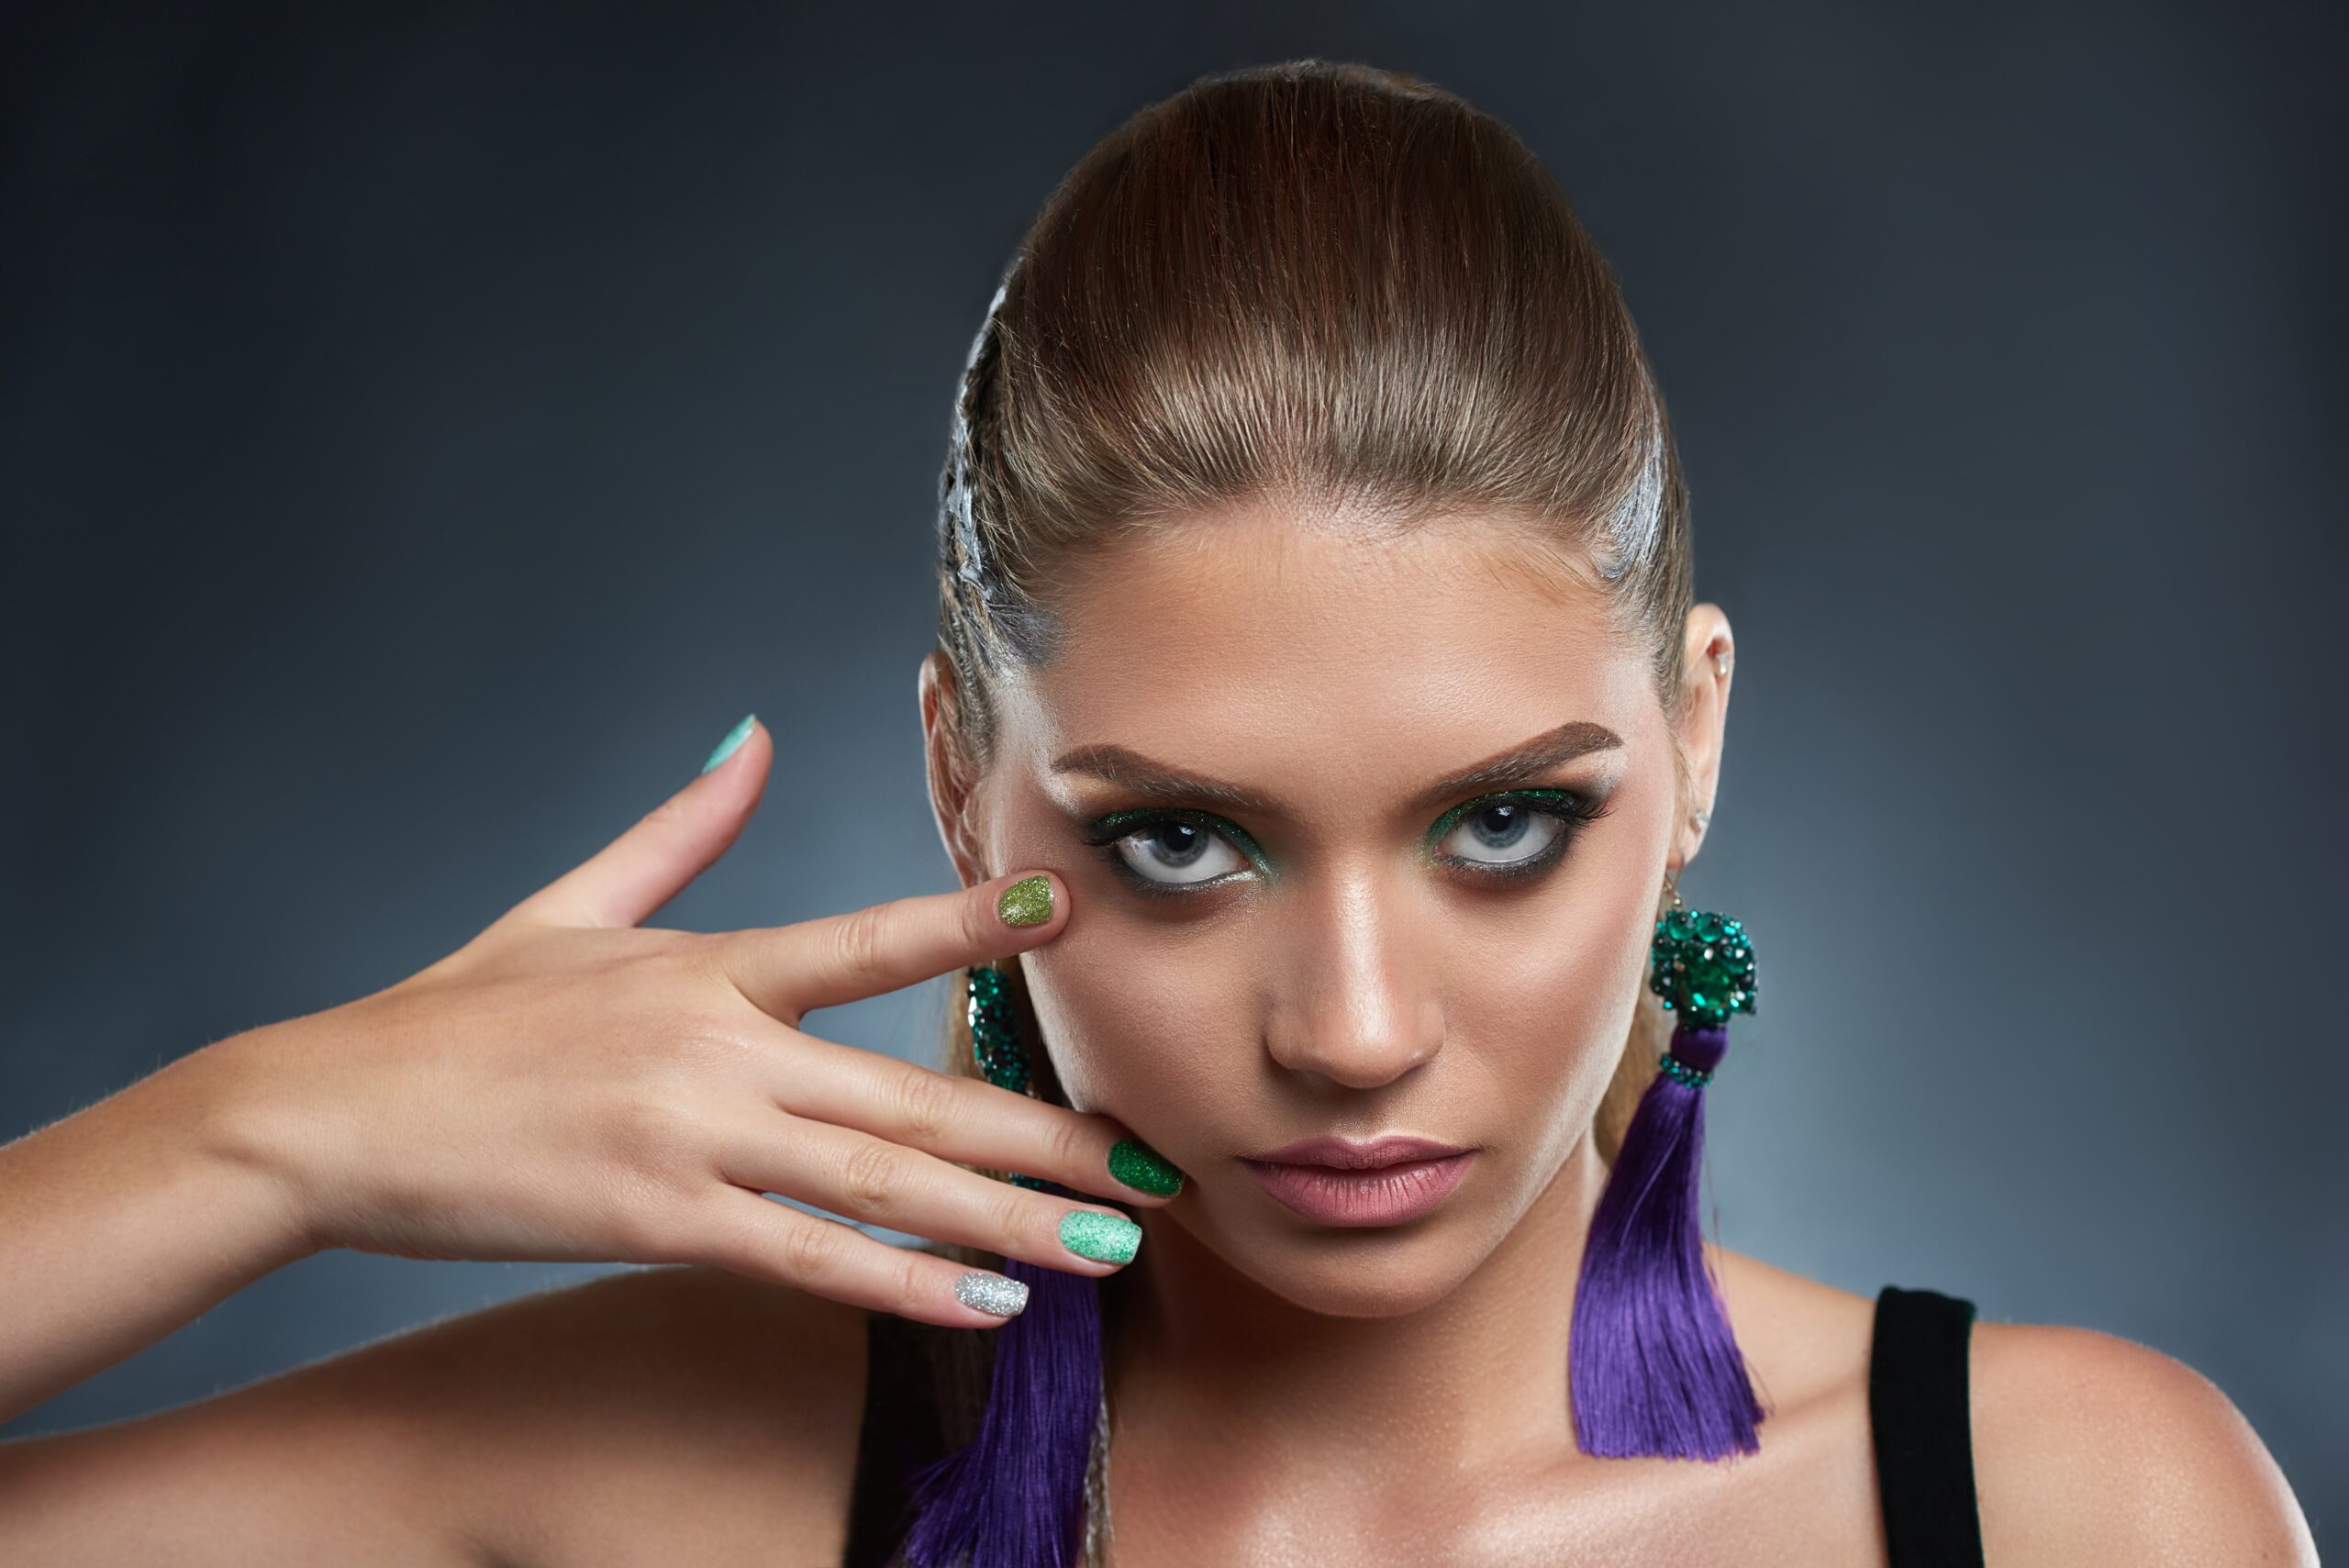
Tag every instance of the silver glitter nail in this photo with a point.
(995, 1294)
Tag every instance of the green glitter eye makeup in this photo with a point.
(1173, 851)
(1518, 832)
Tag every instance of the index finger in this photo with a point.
(789, 971)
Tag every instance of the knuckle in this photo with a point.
(812, 1248)
(873, 1178)
(856, 943)
(978, 925)
(926, 1104)
(1072, 1144)
(1015, 1219)
(913, 1278)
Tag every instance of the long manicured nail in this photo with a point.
(1028, 902)
(1104, 1237)
(734, 738)
(1144, 1168)
(996, 1295)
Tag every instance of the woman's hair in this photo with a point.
(1321, 285)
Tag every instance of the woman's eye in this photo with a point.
(1502, 834)
(1179, 853)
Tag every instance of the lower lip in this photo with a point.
(1387, 1195)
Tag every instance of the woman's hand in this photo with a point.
(571, 1086)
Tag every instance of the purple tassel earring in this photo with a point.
(1654, 1368)
(1014, 1495)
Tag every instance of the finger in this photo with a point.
(879, 1183)
(790, 971)
(628, 879)
(762, 1239)
(977, 1123)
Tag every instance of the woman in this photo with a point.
(1320, 724)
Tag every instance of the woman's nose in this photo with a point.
(1357, 1005)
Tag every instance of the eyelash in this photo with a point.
(1104, 833)
(1572, 811)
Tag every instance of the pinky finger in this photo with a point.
(761, 1238)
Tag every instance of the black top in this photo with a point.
(918, 1376)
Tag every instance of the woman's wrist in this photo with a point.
(128, 1218)
(242, 1149)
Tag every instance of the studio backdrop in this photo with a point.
(424, 429)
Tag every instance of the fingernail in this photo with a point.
(734, 738)
(1028, 902)
(996, 1295)
(1104, 1237)
(1144, 1168)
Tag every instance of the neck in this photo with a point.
(1207, 1367)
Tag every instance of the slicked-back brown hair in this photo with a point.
(1319, 285)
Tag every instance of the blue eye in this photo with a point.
(1514, 834)
(1179, 852)
(1504, 833)
(1169, 850)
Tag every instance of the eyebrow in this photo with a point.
(1130, 769)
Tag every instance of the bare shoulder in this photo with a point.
(2089, 1448)
(712, 1417)
(1804, 1343)
(670, 1414)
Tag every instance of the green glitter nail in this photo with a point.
(1028, 902)
(1104, 1237)
(1144, 1168)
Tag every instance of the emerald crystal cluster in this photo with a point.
(1702, 965)
(994, 1031)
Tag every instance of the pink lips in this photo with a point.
(1340, 1182)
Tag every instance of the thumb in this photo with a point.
(628, 879)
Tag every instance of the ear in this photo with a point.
(953, 783)
(1708, 657)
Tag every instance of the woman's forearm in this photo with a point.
(127, 1220)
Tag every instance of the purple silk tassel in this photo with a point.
(1013, 1497)
(1653, 1367)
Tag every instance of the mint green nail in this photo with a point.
(1104, 1237)
(1144, 1168)
(734, 738)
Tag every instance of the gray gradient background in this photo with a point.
(424, 429)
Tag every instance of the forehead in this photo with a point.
(1273, 642)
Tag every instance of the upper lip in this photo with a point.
(1348, 1154)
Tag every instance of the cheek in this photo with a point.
(1136, 1025)
(1545, 1023)
(1544, 1008)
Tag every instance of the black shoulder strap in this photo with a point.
(1919, 1385)
(922, 1386)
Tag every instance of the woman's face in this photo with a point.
(1363, 836)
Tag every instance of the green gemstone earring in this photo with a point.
(1701, 965)
(996, 1048)
(1652, 1363)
